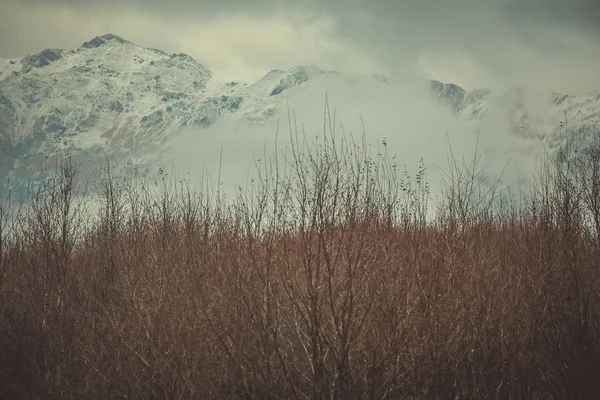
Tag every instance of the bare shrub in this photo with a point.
(328, 277)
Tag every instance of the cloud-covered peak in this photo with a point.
(453, 95)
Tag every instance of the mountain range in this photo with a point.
(112, 96)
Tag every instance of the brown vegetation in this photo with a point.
(327, 278)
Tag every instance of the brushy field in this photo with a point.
(333, 275)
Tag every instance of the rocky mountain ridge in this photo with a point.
(110, 95)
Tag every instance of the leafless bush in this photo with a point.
(327, 277)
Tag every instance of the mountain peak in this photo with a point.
(292, 77)
(451, 94)
(101, 40)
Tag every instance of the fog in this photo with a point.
(402, 113)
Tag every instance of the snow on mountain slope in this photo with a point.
(112, 96)
(552, 117)
(107, 94)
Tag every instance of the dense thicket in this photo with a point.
(331, 276)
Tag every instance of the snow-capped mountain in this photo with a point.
(110, 95)
(554, 117)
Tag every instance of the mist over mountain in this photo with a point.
(111, 97)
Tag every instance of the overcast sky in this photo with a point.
(475, 43)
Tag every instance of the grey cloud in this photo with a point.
(454, 16)
(474, 42)
(578, 14)
(183, 8)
